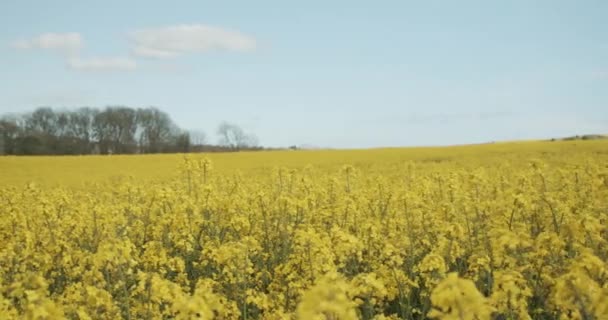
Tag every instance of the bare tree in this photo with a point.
(10, 130)
(198, 137)
(114, 129)
(233, 136)
(42, 121)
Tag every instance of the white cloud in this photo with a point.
(153, 53)
(159, 43)
(102, 64)
(172, 41)
(68, 43)
(72, 44)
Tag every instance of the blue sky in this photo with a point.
(322, 73)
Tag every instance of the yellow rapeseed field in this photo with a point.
(496, 231)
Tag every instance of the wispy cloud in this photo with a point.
(102, 64)
(424, 119)
(159, 43)
(173, 41)
(67, 43)
(68, 97)
(71, 44)
(457, 116)
(600, 74)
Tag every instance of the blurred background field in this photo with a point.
(77, 171)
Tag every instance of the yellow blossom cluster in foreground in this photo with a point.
(515, 234)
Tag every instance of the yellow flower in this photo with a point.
(458, 299)
(510, 294)
(328, 299)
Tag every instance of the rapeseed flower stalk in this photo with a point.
(328, 299)
(458, 299)
(510, 295)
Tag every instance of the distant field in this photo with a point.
(81, 170)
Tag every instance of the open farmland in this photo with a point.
(495, 231)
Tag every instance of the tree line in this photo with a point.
(112, 130)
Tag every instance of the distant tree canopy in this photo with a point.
(234, 137)
(113, 130)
